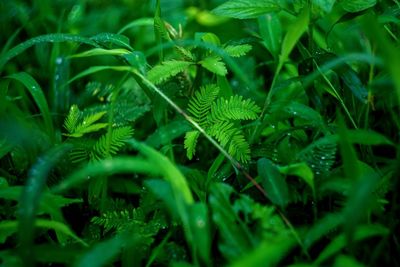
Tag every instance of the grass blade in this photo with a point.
(37, 93)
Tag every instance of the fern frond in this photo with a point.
(119, 220)
(239, 147)
(119, 136)
(222, 131)
(233, 109)
(78, 155)
(88, 125)
(191, 142)
(167, 69)
(200, 104)
(232, 138)
(72, 119)
(113, 220)
(237, 50)
(126, 112)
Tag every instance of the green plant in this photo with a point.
(240, 133)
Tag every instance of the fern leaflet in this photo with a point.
(200, 104)
(117, 140)
(191, 142)
(72, 119)
(233, 109)
(161, 73)
(88, 124)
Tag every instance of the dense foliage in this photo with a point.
(199, 133)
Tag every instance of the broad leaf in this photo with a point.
(273, 182)
(357, 5)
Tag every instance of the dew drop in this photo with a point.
(59, 60)
(200, 223)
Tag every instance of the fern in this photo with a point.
(239, 147)
(191, 142)
(78, 155)
(200, 104)
(72, 119)
(231, 137)
(118, 220)
(220, 119)
(87, 125)
(233, 109)
(117, 139)
(166, 70)
(222, 131)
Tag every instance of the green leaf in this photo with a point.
(237, 50)
(301, 170)
(88, 124)
(321, 228)
(137, 23)
(8, 228)
(200, 104)
(215, 65)
(169, 171)
(95, 69)
(5, 147)
(110, 145)
(324, 5)
(387, 48)
(234, 108)
(271, 32)
(103, 252)
(273, 182)
(49, 203)
(246, 9)
(210, 38)
(165, 134)
(360, 201)
(343, 260)
(200, 227)
(102, 52)
(352, 81)
(106, 39)
(31, 196)
(349, 156)
(367, 137)
(357, 5)
(121, 164)
(48, 38)
(167, 69)
(362, 232)
(72, 119)
(234, 233)
(295, 31)
(190, 143)
(37, 93)
(268, 253)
